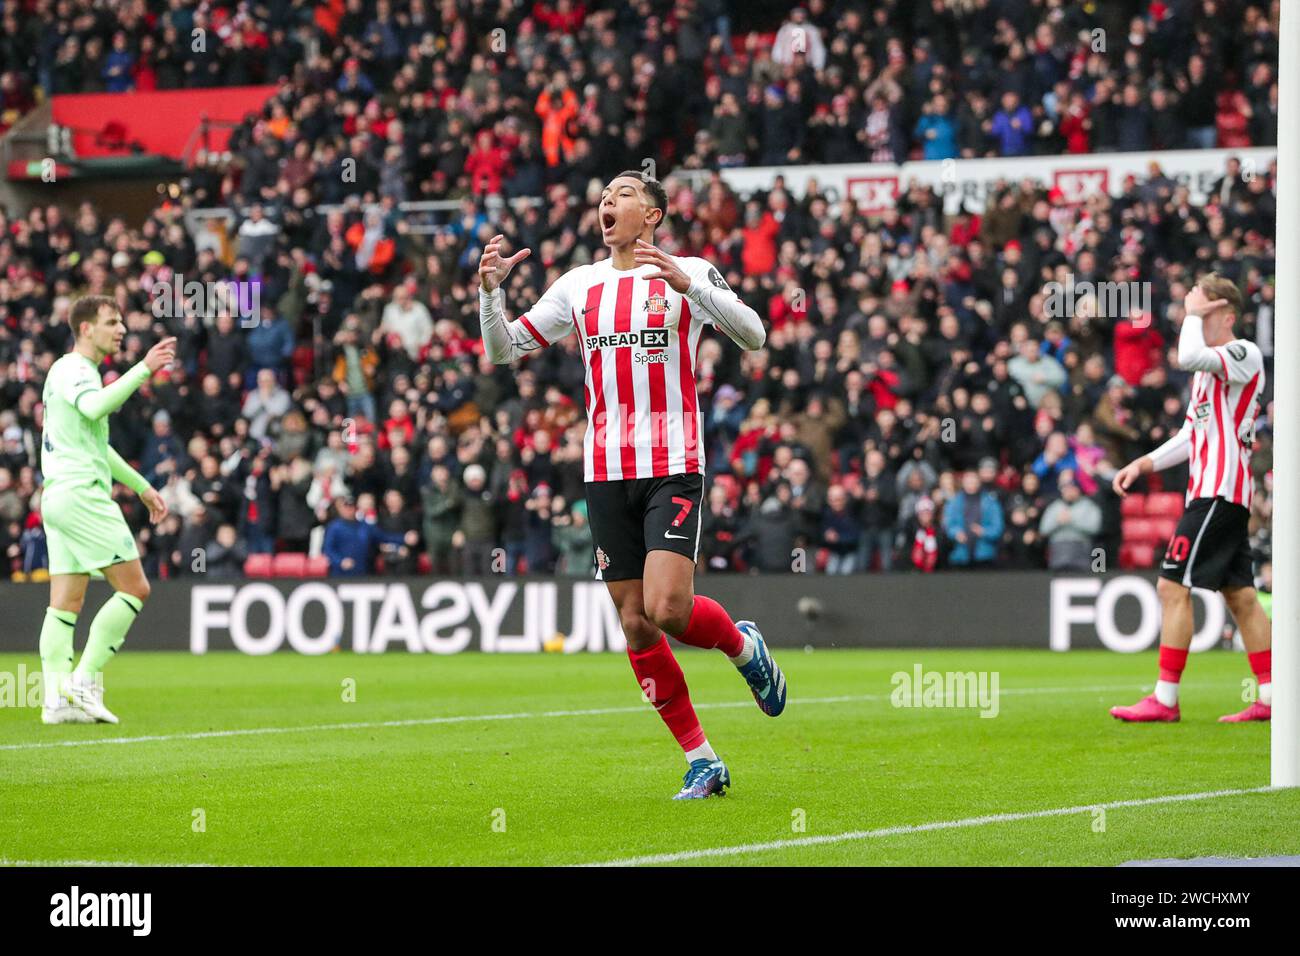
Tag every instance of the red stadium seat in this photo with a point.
(1134, 556)
(318, 566)
(423, 564)
(257, 566)
(303, 363)
(1133, 506)
(1153, 531)
(1137, 529)
(1163, 529)
(291, 564)
(1165, 504)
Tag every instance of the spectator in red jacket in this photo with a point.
(487, 165)
(789, 306)
(751, 455)
(399, 419)
(965, 230)
(758, 257)
(1076, 125)
(564, 15)
(1232, 120)
(1138, 348)
(884, 383)
(921, 537)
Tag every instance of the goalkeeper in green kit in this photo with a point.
(84, 527)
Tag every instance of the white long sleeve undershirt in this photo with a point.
(1193, 354)
(1176, 450)
(738, 321)
(503, 341)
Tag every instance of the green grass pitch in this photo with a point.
(538, 760)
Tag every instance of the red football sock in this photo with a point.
(711, 626)
(1261, 665)
(1172, 662)
(661, 679)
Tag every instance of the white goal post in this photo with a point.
(1286, 428)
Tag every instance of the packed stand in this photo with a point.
(506, 96)
(915, 407)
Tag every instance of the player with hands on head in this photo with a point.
(1210, 547)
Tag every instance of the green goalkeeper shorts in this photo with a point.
(84, 530)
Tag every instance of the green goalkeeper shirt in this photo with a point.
(74, 448)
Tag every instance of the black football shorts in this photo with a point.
(1211, 547)
(631, 518)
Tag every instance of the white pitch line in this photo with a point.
(46, 863)
(744, 848)
(785, 844)
(471, 718)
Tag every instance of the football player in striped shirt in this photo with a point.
(1210, 547)
(639, 315)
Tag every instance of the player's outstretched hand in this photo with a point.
(1125, 477)
(154, 502)
(648, 255)
(162, 354)
(493, 268)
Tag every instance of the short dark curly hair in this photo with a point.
(654, 189)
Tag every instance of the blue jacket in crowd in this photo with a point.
(356, 540)
(991, 522)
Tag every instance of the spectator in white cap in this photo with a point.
(477, 535)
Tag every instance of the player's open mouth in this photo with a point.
(607, 221)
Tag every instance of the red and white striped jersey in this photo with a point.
(639, 341)
(1219, 429)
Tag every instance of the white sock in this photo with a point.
(1167, 693)
(746, 652)
(1266, 694)
(703, 750)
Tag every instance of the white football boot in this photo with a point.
(64, 713)
(89, 696)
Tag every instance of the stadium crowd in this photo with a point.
(517, 94)
(919, 403)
